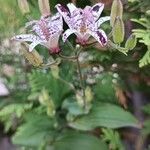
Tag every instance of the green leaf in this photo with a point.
(18, 109)
(113, 138)
(73, 107)
(104, 115)
(105, 86)
(145, 60)
(140, 22)
(58, 88)
(36, 130)
(78, 141)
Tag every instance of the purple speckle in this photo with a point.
(65, 10)
(96, 8)
(101, 38)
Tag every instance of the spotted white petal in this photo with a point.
(57, 21)
(30, 23)
(102, 20)
(26, 38)
(67, 33)
(64, 11)
(71, 7)
(33, 45)
(97, 10)
(100, 36)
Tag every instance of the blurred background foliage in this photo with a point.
(41, 109)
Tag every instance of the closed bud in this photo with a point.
(118, 31)
(116, 11)
(47, 101)
(79, 98)
(44, 97)
(148, 12)
(33, 57)
(44, 7)
(131, 42)
(24, 6)
(51, 109)
(88, 95)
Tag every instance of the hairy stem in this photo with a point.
(77, 52)
(67, 57)
(81, 79)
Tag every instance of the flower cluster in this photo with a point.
(82, 22)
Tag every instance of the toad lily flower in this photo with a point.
(84, 22)
(46, 32)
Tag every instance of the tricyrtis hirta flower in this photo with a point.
(45, 31)
(84, 22)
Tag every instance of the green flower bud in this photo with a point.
(118, 31)
(116, 11)
(148, 12)
(46, 100)
(24, 6)
(131, 42)
(33, 57)
(88, 95)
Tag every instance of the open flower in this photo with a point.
(46, 32)
(84, 22)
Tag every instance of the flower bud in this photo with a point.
(44, 7)
(88, 95)
(24, 6)
(47, 101)
(116, 11)
(33, 57)
(118, 31)
(131, 42)
(148, 12)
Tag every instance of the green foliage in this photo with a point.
(144, 37)
(18, 109)
(47, 114)
(36, 130)
(113, 138)
(57, 87)
(104, 115)
(106, 87)
(9, 112)
(145, 60)
(79, 141)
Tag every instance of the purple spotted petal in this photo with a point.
(100, 36)
(71, 7)
(67, 33)
(64, 11)
(97, 10)
(102, 20)
(26, 38)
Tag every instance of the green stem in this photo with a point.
(67, 57)
(48, 65)
(76, 57)
(81, 79)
